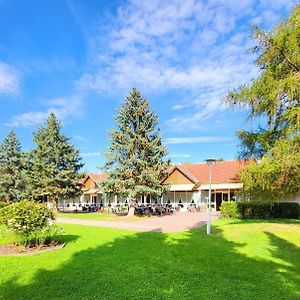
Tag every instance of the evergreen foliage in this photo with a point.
(11, 169)
(54, 164)
(275, 94)
(135, 160)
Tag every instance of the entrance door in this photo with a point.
(218, 201)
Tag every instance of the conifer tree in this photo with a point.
(54, 164)
(275, 94)
(136, 161)
(11, 169)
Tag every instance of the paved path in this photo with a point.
(178, 221)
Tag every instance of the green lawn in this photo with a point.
(240, 260)
(101, 216)
(87, 216)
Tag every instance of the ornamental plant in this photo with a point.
(31, 222)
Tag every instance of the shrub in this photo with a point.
(3, 204)
(252, 210)
(32, 222)
(230, 210)
(286, 210)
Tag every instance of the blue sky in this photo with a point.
(81, 58)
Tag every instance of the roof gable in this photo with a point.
(92, 180)
(177, 176)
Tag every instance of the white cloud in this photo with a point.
(79, 138)
(62, 107)
(199, 139)
(9, 80)
(197, 47)
(88, 154)
(179, 106)
(28, 119)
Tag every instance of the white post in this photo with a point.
(200, 200)
(208, 228)
(186, 200)
(174, 200)
(215, 200)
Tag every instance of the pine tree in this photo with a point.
(11, 169)
(54, 164)
(135, 158)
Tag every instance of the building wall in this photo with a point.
(292, 198)
(89, 184)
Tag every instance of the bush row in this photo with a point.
(252, 210)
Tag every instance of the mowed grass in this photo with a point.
(240, 260)
(101, 216)
(87, 216)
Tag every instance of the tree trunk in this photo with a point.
(131, 209)
(54, 204)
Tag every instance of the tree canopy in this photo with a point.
(276, 175)
(11, 169)
(135, 159)
(274, 95)
(54, 164)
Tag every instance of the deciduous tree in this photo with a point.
(275, 94)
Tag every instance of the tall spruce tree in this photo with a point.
(11, 169)
(54, 165)
(136, 161)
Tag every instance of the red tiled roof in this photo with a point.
(222, 171)
(97, 177)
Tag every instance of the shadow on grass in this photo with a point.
(66, 238)
(190, 265)
(290, 254)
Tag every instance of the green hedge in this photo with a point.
(252, 210)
